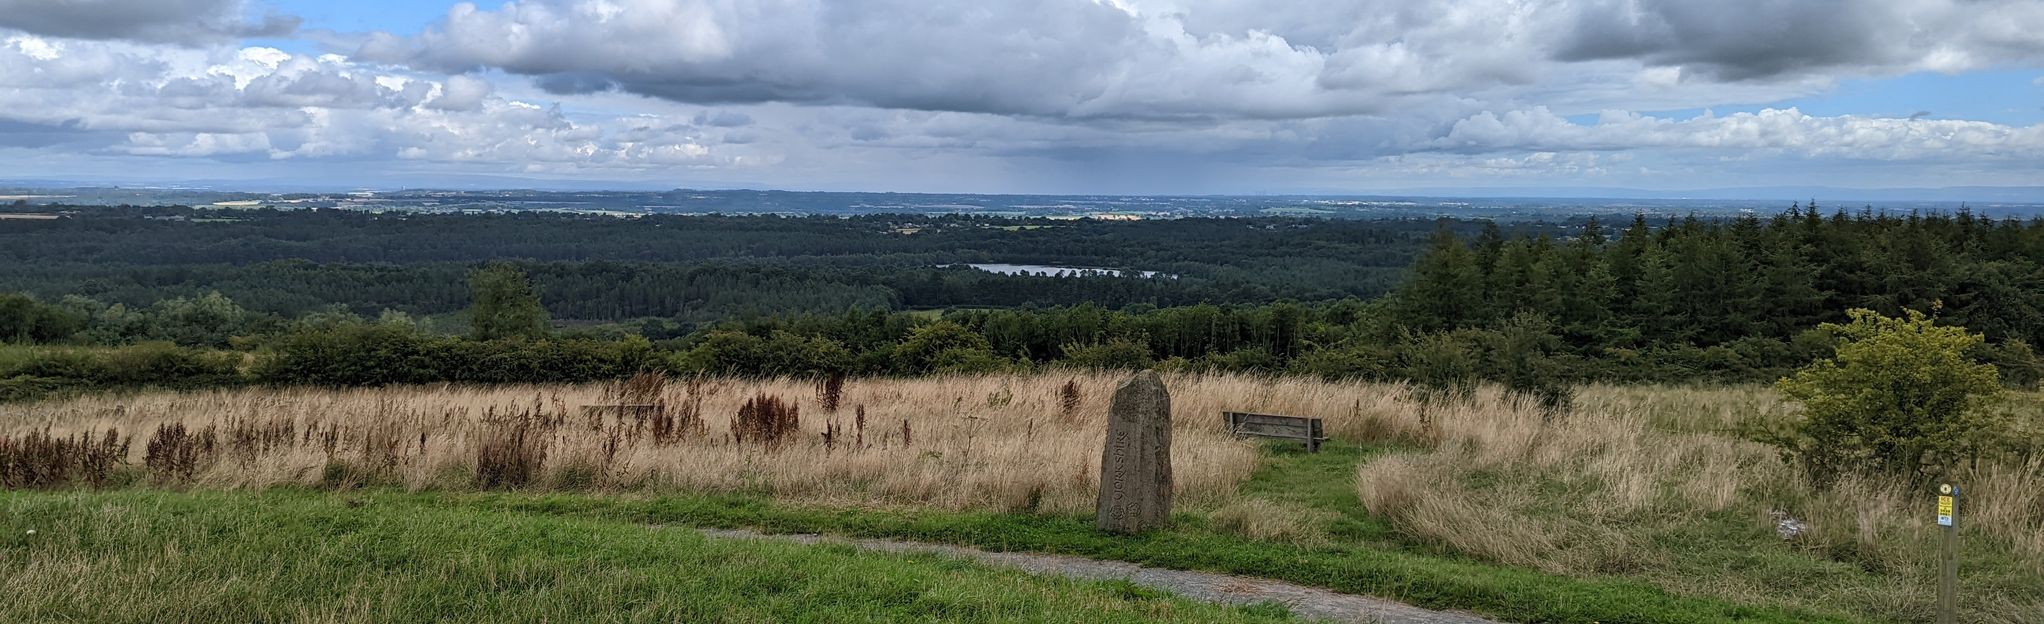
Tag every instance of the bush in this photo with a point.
(1358, 362)
(37, 371)
(352, 354)
(1900, 396)
(920, 352)
(373, 354)
(731, 352)
(968, 361)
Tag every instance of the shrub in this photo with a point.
(374, 354)
(1900, 396)
(1344, 363)
(37, 371)
(1440, 365)
(1249, 360)
(1519, 351)
(933, 346)
(732, 352)
(352, 354)
(967, 361)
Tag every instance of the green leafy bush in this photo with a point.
(1901, 396)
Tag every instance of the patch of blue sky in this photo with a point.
(2010, 97)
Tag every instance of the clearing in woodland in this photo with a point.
(1637, 504)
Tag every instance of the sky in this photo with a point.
(1026, 96)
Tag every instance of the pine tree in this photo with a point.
(1656, 309)
(1624, 258)
(1444, 291)
(1509, 287)
(1586, 306)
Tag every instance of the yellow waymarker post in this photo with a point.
(1948, 555)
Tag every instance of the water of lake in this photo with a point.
(1057, 271)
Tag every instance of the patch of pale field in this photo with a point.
(999, 442)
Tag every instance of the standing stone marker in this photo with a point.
(1135, 466)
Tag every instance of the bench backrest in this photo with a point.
(1309, 431)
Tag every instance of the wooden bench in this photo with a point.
(1309, 431)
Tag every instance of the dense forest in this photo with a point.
(1712, 283)
(690, 268)
(1536, 308)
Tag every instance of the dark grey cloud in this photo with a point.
(1761, 39)
(156, 21)
(68, 134)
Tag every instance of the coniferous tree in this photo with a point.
(1444, 291)
(1585, 310)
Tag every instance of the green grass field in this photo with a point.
(148, 556)
(134, 555)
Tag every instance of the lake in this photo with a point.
(1057, 271)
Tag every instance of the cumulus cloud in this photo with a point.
(159, 21)
(1165, 59)
(1066, 58)
(1779, 130)
(264, 103)
(1091, 91)
(461, 92)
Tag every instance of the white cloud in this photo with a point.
(1783, 130)
(1165, 59)
(266, 103)
(1019, 95)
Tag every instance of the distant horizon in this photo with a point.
(1936, 195)
(1945, 194)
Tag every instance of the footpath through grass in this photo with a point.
(152, 556)
(386, 555)
(1427, 580)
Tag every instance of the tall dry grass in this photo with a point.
(961, 442)
(1641, 481)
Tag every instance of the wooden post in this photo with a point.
(1948, 553)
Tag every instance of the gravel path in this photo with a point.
(1306, 602)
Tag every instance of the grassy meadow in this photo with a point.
(140, 556)
(1643, 504)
